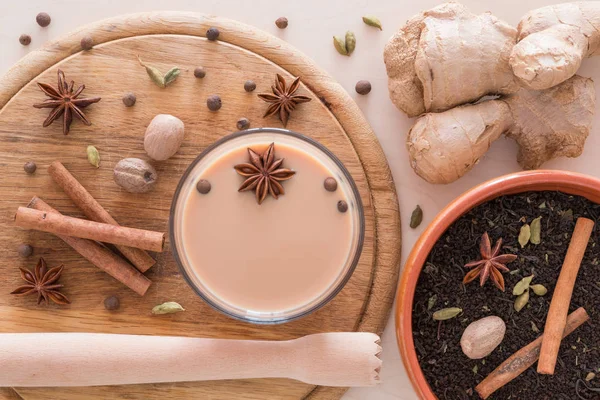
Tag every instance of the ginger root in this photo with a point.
(546, 124)
(553, 41)
(448, 56)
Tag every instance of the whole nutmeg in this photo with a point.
(129, 99)
(43, 19)
(112, 303)
(249, 86)
(25, 250)
(363, 87)
(212, 33)
(330, 184)
(213, 102)
(481, 337)
(135, 175)
(25, 39)
(342, 206)
(87, 42)
(243, 123)
(281, 22)
(203, 186)
(199, 72)
(30, 167)
(163, 137)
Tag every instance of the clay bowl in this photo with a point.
(567, 182)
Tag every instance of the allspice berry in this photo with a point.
(30, 167)
(330, 184)
(281, 22)
(25, 250)
(243, 123)
(129, 99)
(213, 102)
(87, 42)
(25, 39)
(203, 186)
(249, 86)
(363, 87)
(342, 206)
(199, 72)
(112, 303)
(212, 33)
(43, 19)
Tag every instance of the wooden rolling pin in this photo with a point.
(92, 359)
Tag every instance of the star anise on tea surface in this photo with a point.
(283, 100)
(491, 265)
(43, 283)
(65, 102)
(264, 174)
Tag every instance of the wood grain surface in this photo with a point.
(110, 70)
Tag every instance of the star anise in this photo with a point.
(264, 174)
(42, 281)
(491, 264)
(283, 100)
(65, 102)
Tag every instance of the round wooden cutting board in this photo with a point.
(110, 70)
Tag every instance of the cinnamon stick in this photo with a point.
(100, 256)
(518, 363)
(94, 211)
(561, 299)
(62, 225)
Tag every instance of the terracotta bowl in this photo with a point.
(567, 182)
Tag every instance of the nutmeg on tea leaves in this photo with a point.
(163, 137)
(135, 175)
(481, 337)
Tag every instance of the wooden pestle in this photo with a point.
(93, 359)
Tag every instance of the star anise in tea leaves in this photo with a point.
(491, 265)
(264, 174)
(283, 100)
(43, 283)
(65, 102)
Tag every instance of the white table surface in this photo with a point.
(311, 26)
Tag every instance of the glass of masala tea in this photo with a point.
(267, 225)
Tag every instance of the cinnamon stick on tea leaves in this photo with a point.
(94, 211)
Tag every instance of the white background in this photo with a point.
(311, 26)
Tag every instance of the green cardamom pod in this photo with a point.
(536, 230)
(154, 73)
(446, 313)
(522, 286)
(169, 307)
(534, 327)
(372, 21)
(524, 235)
(431, 302)
(350, 42)
(93, 156)
(340, 45)
(416, 217)
(171, 75)
(540, 290)
(521, 301)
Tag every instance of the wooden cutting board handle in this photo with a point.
(90, 359)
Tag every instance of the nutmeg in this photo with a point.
(135, 175)
(481, 337)
(163, 137)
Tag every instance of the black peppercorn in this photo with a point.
(281, 22)
(243, 123)
(330, 184)
(25, 250)
(43, 19)
(129, 99)
(249, 86)
(342, 206)
(363, 87)
(213, 102)
(200, 72)
(203, 186)
(25, 39)
(30, 167)
(112, 303)
(212, 33)
(87, 43)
